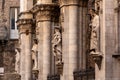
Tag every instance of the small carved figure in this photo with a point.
(17, 60)
(56, 44)
(35, 54)
(94, 31)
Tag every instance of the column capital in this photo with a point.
(24, 25)
(43, 12)
(25, 22)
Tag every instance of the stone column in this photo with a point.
(25, 29)
(43, 21)
(73, 46)
(70, 32)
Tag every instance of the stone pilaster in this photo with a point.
(25, 29)
(43, 32)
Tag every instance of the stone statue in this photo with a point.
(17, 60)
(94, 32)
(56, 45)
(35, 54)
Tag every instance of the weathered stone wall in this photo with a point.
(7, 53)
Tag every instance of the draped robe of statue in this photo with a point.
(56, 44)
(94, 34)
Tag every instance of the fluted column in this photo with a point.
(25, 30)
(43, 21)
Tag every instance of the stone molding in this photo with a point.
(43, 12)
(24, 22)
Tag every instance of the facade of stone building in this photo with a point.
(60, 39)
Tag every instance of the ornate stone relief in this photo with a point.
(25, 26)
(56, 47)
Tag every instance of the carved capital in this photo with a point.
(43, 16)
(43, 11)
(25, 25)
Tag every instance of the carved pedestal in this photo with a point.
(97, 57)
(60, 67)
(35, 74)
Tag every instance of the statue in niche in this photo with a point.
(35, 54)
(94, 32)
(56, 45)
(17, 60)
